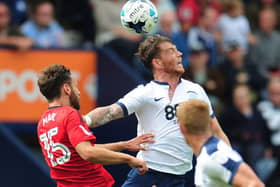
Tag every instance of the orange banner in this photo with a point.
(20, 98)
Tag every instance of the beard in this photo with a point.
(74, 101)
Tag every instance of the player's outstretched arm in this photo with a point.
(245, 177)
(131, 145)
(104, 156)
(103, 115)
(218, 131)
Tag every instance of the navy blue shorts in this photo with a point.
(153, 177)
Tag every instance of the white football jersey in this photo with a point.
(156, 114)
(216, 165)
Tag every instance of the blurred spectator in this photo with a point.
(234, 26)
(176, 2)
(237, 70)
(208, 77)
(76, 18)
(10, 36)
(186, 13)
(270, 110)
(110, 32)
(265, 53)
(164, 5)
(18, 11)
(167, 21)
(253, 8)
(245, 126)
(189, 9)
(42, 27)
(206, 33)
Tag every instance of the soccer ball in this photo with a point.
(139, 16)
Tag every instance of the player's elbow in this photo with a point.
(260, 184)
(92, 154)
(87, 154)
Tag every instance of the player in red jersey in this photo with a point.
(67, 143)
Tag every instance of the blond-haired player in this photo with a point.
(217, 163)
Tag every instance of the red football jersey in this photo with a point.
(59, 131)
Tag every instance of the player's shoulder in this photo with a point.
(147, 87)
(219, 151)
(187, 82)
(190, 85)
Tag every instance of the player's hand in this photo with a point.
(139, 164)
(135, 143)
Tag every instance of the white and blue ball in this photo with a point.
(139, 16)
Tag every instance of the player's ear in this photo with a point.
(183, 129)
(156, 62)
(67, 88)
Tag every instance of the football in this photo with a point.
(139, 16)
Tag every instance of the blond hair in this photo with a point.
(194, 116)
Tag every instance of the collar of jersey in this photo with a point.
(54, 107)
(164, 83)
(208, 141)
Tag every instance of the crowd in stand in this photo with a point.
(230, 47)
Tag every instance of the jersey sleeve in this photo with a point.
(224, 165)
(77, 130)
(132, 101)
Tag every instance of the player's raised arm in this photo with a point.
(103, 115)
(245, 177)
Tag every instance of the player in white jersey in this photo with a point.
(154, 104)
(218, 165)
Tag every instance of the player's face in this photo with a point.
(75, 95)
(170, 59)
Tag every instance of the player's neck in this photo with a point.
(62, 101)
(171, 79)
(196, 142)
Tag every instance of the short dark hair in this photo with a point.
(149, 49)
(37, 3)
(51, 79)
(229, 6)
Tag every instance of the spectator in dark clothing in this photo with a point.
(18, 9)
(206, 32)
(210, 78)
(270, 110)
(77, 15)
(10, 36)
(187, 11)
(265, 53)
(237, 70)
(245, 126)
